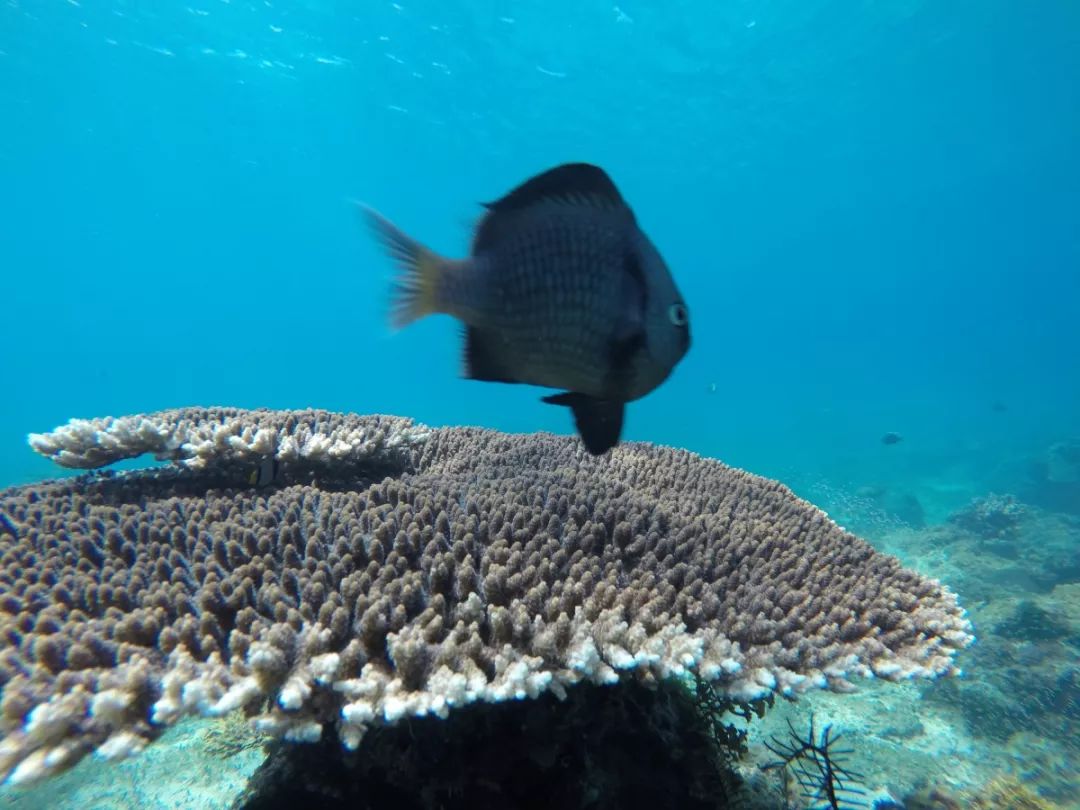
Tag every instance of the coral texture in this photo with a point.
(198, 438)
(391, 570)
(995, 516)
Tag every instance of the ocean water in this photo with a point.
(872, 209)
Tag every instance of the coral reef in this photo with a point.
(1024, 550)
(391, 572)
(226, 439)
(1022, 704)
(1047, 764)
(1003, 793)
(1032, 623)
(994, 708)
(1031, 620)
(992, 517)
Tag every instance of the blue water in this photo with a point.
(873, 211)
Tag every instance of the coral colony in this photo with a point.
(390, 571)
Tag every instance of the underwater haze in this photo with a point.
(872, 210)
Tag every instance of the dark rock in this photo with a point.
(993, 517)
(1029, 622)
(625, 746)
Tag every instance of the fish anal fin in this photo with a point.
(598, 421)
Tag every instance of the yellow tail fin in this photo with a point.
(416, 287)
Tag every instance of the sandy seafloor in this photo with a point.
(1012, 717)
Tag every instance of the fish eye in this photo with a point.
(678, 315)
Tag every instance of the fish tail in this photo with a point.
(416, 287)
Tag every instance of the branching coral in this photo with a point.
(393, 571)
(817, 768)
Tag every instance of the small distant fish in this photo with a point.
(561, 289)
(997, 406)
(266, 473)
(891, 438)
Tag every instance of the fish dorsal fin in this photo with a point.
(570, 183)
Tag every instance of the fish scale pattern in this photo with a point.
(411, 572)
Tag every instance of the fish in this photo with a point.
(891, 438)
(561, 289)
(267, 472)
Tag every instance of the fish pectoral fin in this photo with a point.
(629, 336)
(624, 346)
(482, 361)
(598, 421)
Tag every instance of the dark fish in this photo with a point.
(998, 406)
(266, 473)
(891, 438)
(561, 289)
